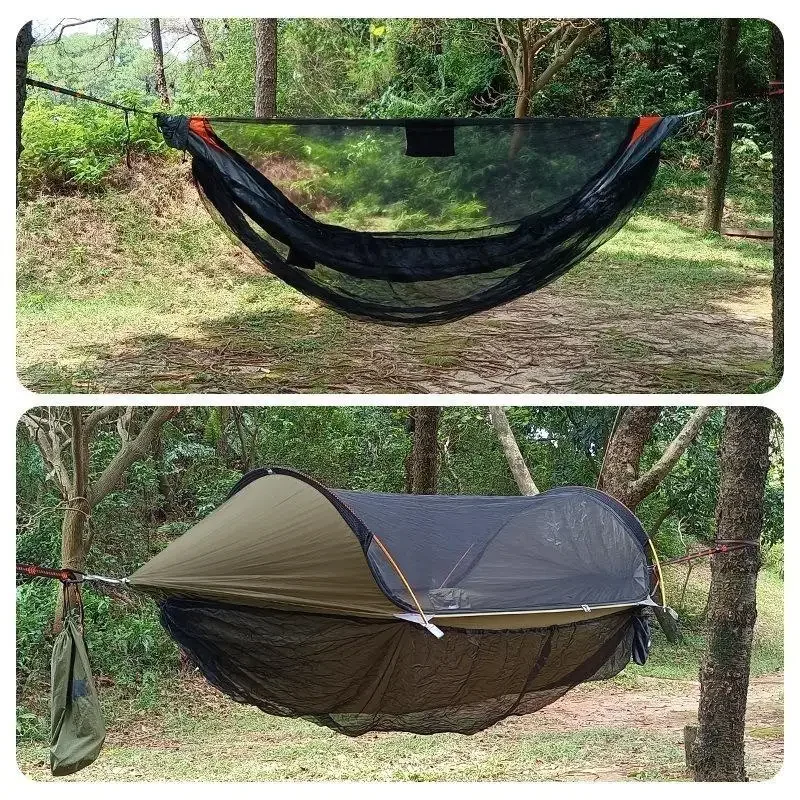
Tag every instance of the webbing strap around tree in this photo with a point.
(726, 546)
(63, 575)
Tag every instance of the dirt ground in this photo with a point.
(556, 340)
(661, 706)
(597, 732)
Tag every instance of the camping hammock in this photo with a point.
(454, 216)
(366, 612)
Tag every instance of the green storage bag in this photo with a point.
(77, 730)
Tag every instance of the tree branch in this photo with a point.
(519, 469)
(564, 58)
(645, 484)
(95, 418)
(50, 438)
(132, 451)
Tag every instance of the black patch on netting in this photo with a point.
(424, 141)
(358, 675)
(298, 259)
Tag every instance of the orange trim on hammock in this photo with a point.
(644, 125)
(201, 127)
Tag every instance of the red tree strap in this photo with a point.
(63, 575)
(723, 546)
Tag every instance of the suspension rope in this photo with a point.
(81, 96)
(66, 575)
(722, 546)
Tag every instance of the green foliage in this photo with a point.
(379, 68)
(70, 146)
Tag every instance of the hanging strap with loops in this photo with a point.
(66, 576)
(722, 546)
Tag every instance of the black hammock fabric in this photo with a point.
(420, 221)
(358, 675)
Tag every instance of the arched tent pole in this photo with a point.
(657, 564)
(426, 623)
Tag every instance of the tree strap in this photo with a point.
(722, 546)
(63, 575)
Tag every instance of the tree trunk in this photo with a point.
(424, 466)
(776, 119)
(73, 551)
(158, 61)
(723, 135)
(620, 474)
(202, 37)
(24, 44)
(519, 469)
(718, 751)
(266, 87)
(624, 452)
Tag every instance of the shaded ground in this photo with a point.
(145, 294)
(609, 731)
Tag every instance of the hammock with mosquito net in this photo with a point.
(413, 221)
(365, 611)
(419, 221)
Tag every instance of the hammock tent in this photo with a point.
(454, 216)
(365, 611)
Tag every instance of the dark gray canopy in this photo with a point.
(284, 541)
(562, 549)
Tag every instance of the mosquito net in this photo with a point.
(420, 221)
(317, 602)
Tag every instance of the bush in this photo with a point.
(71, 146)
(772, 559)
(125, 639)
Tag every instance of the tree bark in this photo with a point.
(424, 465)
(723, 135)
(24, 44)
(519, 469)
(158, 61)
(776, 120)
(266, 85)
(624, 452)
(620, 476)
(202, 37)
(718, 751)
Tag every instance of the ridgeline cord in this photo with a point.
(81, 96)
(774, 88)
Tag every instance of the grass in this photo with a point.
(680, 661)
(628, 728)
(252, 747)
(135, 288)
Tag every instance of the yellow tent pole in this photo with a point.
(401, 576)
(659, 573)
